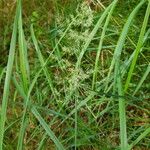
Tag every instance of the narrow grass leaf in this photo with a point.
(142, 79)
(101, 43)
(2, 72)
(122, 114)
(121, 41)
(23, 127)
(47, 129)
(81, 104)
(7, 80)
(22, 50)
(26, 106)
(41, 59)
(24, 68)
(142, 136)
(137, 50)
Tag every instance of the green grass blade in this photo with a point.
(7, 80)
(137, 50)
(58, 52)
(81, 104)
(122, 115)
(26, 105)
(101, 43)
(127, 63)
(19, 88)
(24, 124)
(121, 41)
(142, 136)
(24, 68)
(41, 59)
(142, 79)
(2, 72)
(22, 50)
(47, 129)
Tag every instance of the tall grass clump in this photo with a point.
(68, 83)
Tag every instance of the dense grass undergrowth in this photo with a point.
(75, 75)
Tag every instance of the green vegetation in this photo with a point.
(75, 75)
